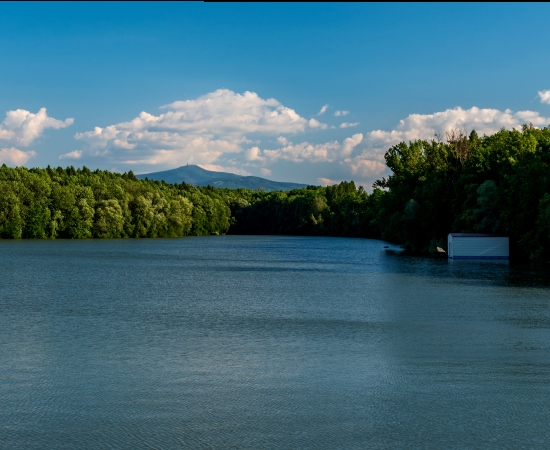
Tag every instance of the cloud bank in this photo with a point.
(247, 134)
(196, 131)
(425, 126)
(21, 127)
(75, 154)
(14, 156)
(544, 96)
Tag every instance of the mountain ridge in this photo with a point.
(197, 176)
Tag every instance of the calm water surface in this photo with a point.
(268, 342)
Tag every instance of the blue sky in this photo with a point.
(152, 86)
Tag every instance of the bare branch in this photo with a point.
(458, 139)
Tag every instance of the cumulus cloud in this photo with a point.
(350, 143)
(75, 154)
(365, 167)
(545, 96)
(327, 181)
(254, 154)
(341, 113)
(323, 110)
(425, 126)
(217, 168)
(14, 156)
(314, 123)
(224, 111)
(282, 140)
(306, 151)
(196, 131)
(348, 124)
(265, 171)
(303, 151)
(193, 150)
(23, 127)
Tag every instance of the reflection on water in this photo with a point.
(268, 342)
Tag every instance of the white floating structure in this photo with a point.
(477, 246)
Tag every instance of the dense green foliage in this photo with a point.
(69, 203)
(492, 184)
(339, 210)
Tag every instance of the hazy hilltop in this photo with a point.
(197, 176)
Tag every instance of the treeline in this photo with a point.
(491, 184)
(78, 203)
(339, 210)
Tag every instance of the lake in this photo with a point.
(268, 342)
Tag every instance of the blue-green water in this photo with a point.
(268, 342)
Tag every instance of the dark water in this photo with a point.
(268, 342)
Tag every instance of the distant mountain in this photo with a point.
(198, 176)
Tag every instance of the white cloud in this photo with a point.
(75, 154)
(348, 124)
(191, 150)
(196, 131)
(350, 143)
(15, 156)
(314, 123)
(23, 127)
(282, 140)
(254, 154)
(217, 168)
(341, 113)
(365, 167)
(223, 112)
(323, 110)
(327, 181)
(305, 151)
(545, 96)
(265, 171)
(425, 126)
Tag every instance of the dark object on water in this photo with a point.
(440, 253)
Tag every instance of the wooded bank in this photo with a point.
(493, 184)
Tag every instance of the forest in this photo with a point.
(463, 183)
